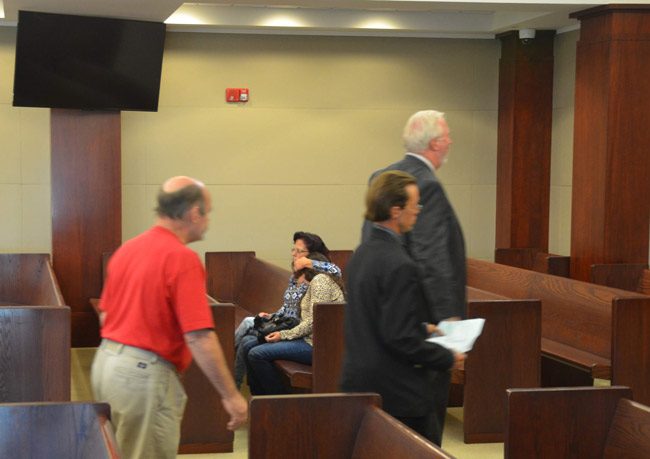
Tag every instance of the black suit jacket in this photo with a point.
(385, 347)
(436, 242)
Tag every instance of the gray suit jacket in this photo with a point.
(436, 243)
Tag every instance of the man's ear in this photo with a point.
(193, 214)
(433, 144)
(395, 212)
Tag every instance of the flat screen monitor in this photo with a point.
(88, 63)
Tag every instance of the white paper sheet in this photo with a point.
(459, 335)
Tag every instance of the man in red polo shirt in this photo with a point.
(155, 318)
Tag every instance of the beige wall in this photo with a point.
(562, 143)
(324, 113)
(24, 164)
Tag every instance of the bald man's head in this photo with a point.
(178, 195)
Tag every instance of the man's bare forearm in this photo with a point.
(207, 353)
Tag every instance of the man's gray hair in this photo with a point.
(175, 204)
(420, 129)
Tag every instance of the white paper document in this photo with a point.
(459, 335)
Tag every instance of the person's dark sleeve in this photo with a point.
(398, 321)
(431, 247)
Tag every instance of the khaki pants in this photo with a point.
(146, 396)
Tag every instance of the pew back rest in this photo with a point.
(560, 422)
(340, 258)
(315, 425)
(629, 434)
(584, 310)
(70, 430)
(28, 279)
(247, 281)
(383, 437)
(263, 288)
(225, 274)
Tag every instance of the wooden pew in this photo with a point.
(254, 285)
(57, 430)
(251, 284)
(588, 331)
(626, 276)
(587, 422)
(512, 330)
(34, 331)
(331, 426)
(323, 375)
(535, 260)
(203, 429)
(28, 279)
(507, 354)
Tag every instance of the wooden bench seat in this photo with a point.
(587, 422)
(588, 330)
(338, 426)
(57, 430)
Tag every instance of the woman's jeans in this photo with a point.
(263, 377)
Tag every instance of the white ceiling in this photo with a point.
(454, 18)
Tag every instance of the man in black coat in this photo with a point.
(388, 317)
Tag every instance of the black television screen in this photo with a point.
(88, 63)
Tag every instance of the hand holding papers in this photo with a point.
(458, 335)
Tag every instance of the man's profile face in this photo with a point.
(201, 223)
(409, 214)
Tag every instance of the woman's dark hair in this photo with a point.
(313, 242)
(310, 273)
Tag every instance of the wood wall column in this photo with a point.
(611, 153)
(524, 140)
(86, 208)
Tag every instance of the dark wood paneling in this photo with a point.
(86, 208)
(225, 274)
(203, 429)
(34, 354)
(512, 331)
(524, 140)
(632, 345)
(628, 436)
(625, 276)
(318, 425)
(534, 259)
(329, 345)
(560, 423)
(611, 167)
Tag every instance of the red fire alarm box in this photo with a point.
(236, 94)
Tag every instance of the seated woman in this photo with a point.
(303, 245)
(296, 343)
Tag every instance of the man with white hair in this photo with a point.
(436, 242)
